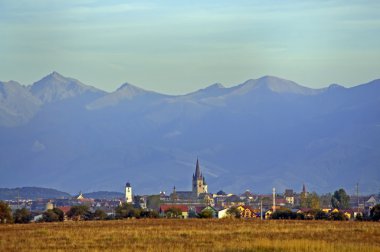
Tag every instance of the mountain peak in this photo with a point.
(130, 88)
(55, 87)
(214, 86)
(273, 84)
(335, 86)
(55, 75)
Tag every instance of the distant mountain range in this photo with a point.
(263, 133)
(35, 193)
(31, 193)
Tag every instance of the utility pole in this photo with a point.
(274, 199)
(357, 194)
(18, 199)
(261, 208)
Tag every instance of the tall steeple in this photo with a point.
(199, 182)
(198, 173)
(304, 189)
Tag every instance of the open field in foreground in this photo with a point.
(194, 234)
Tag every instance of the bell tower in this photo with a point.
(128, 193)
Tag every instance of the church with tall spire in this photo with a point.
(199, 187)
(199, 182)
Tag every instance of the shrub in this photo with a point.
(375, 213)
(79, 213)
(22, 216)
(320, 215)
(50, 216)
(205, 214)
(337, 216)
(234, 212)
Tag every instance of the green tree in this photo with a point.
(173, 212)
(22, 216)
(325, 200)
(314, 201)
(205, 214)
(127, 211)
(153, 202)
(5, 213)
(50, 216)
(79, 212)
(303, 200)
(340, 199)
(284, 214)
(60, 213)
(375, 213)
(320, 215)
(149, 214)
(234, 212)
(99, 215)
(337, 216)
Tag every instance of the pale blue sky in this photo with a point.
(175, 47)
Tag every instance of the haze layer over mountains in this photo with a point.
(263, 133)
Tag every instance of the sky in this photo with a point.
(176, 47)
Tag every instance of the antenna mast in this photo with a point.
(274, 199)
(357, 194)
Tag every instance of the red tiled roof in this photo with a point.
(164, 208)
(281, 201)
(86, 200)
(64, 209)
(199, 209)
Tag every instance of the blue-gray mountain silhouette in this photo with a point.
(263, 133)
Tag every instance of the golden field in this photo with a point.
(192, 235)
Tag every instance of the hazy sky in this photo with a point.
(176, 47)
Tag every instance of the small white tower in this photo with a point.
(128, 193)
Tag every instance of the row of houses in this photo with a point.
(246, 212)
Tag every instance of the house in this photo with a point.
(248, 212)
(289, 196)
(222, 213)
(165, 208)
(281, 201)
(65, 210)
(371, 201)
(233, 200)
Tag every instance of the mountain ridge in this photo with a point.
(259, 134)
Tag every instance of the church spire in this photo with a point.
(197, 171)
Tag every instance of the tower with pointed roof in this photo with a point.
(199, 182)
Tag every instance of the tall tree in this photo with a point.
(314, 200)
(340, 199)
(303, 200)
(5, 213)
(153, 202)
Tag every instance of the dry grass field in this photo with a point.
(194, 235)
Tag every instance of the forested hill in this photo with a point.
(31, 193)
